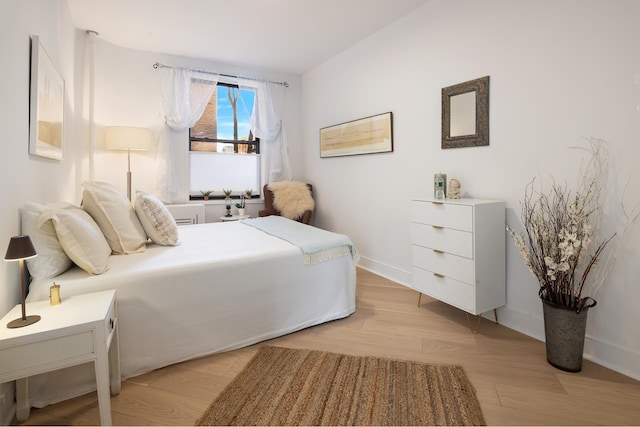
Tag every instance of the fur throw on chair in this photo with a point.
(291, 198)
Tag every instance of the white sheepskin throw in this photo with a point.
(291, 198)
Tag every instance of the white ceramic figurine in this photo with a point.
(453, 192)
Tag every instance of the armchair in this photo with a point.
(270, 209)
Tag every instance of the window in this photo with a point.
(223, 153)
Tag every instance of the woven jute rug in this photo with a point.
(283, 386)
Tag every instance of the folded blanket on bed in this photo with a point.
(316, 244)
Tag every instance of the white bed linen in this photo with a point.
(227, 285)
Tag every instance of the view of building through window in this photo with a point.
(223, 151)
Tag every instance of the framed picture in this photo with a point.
(364, 136)
(46, 104)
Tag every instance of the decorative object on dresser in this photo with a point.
(439, 186)
(459, 253)
(454, 192)
(465, 114)
(127, 138)
(560, 226)
(20, 248)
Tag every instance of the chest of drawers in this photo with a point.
(458, 249)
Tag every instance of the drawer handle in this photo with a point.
(437, 203)
(437, 227)
(438, 251)
(438, 275)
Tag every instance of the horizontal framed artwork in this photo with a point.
(46, 104)
(364, 136)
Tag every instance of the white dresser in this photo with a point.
(459, 252)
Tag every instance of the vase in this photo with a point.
(241, 211)
(564, 330)
(227, 205)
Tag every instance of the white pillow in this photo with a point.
(80, 237)
(156, 219)
(115, 216)
(52, 259)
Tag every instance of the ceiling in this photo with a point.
(293, 36)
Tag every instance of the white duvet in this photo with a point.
(227, 285)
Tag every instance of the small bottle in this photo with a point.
(439, 186)
(54, 294)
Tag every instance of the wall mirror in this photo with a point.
(465, 114)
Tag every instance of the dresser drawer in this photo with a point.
(456, 267)
(459, 217)
(444, 239)
(446, 289)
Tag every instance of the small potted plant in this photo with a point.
(206, 193)
(248, 192)
(241, 205)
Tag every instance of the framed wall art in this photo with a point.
(364, 136)
(46, 104)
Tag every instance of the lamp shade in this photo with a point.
(127, 138)
(20, 247)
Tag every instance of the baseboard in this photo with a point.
(612, 356)
(384, 270)
(609, 355)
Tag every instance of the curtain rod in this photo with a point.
(159, 65)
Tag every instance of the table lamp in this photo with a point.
(127, 138)
(21, 248)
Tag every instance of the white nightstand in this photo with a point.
(82, 329)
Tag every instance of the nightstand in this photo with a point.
(84, 328)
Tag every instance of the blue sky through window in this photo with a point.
(225, 113)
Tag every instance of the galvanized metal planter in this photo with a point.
(564, 336)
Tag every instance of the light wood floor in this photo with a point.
(514, 383)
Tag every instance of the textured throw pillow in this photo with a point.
(115, 216)
(291, 198)
(80, 237)
(156, 219)
(52, 259)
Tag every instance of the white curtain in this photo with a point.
(266, 124)
(185, 95)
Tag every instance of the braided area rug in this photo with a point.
(284, 386)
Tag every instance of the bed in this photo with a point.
(224, 286)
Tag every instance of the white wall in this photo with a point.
(560, 71)
(127, 92)
(26, 177)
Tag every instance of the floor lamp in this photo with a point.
(21, 248)
(127, 138)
